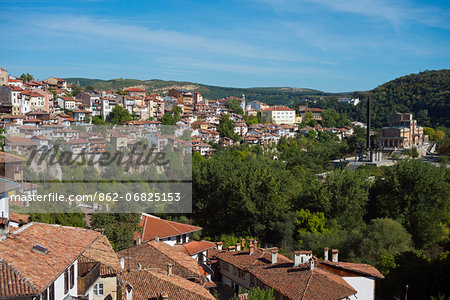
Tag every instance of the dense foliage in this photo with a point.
(373, 215)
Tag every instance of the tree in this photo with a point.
(379, 243)
(226, 127)
(75, 219)
(76, 89)
(252, 195)
(417, 195)
(343, 196)
(98, 120)
(168, 119)
(119, 115)
(329, 118)
(235, 106)
(256, 293)
(119, 228)
(176, 112)
(308, 119)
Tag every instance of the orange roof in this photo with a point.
(134, 90)
(363, 269)
(194, 247)
(150, 284)
(155, 254)
(153, 226)
(300, 282)
(64, 245)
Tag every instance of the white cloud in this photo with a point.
(106, 33)
(395, 12)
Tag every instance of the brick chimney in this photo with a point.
(274, 253)
(250, 242)
(242, 243)
(255, 243)
(231, 248)
(311, 264)
(334, 255)
(238, 247)
(251, 249)
(325, 253)
(169, 269)
(219, 245)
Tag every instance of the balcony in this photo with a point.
(88, 273)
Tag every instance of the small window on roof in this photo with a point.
(40, 248)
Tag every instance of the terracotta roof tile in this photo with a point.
(64, 245)
(102, 252)
(153, 226)
(363, 269)
(300, 282)
(158, 255)
(194, 247)
(149, 284)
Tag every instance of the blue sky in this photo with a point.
(328, 45)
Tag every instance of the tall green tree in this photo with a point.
(119, 228)
(226, 127)
(417, 194)
(119, 115)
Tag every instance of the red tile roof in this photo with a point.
(134, 90)
(278, 108)
(153, 226)
(150, 284)
(194, 247)
(64, 245)
(363, 269)
(102, 252)
(157, 255)
(300, 282)
(243, 260)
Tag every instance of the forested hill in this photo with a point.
(426, 95)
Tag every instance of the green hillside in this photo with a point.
(426, 95)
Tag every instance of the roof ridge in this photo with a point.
(171, 225)
(307, 284)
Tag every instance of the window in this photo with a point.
(44, 295)
(72, 276)
(98, 289)
(51, 291)
(178, 239)
(66, 281)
